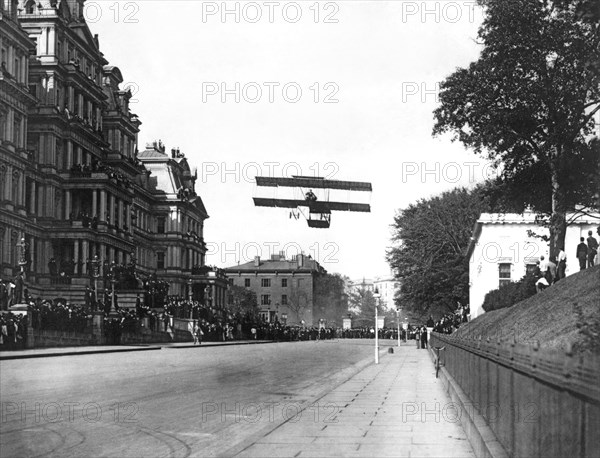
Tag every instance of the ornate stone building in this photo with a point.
(73, 183)
(15, 158)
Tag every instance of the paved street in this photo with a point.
(287, 399)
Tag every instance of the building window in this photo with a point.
(29, 7)
(284, 282)
(160, 260)
(160, 225)
(265, 282)
(265, 299)
(530, 268)
(504, 273)
(247, 282)
(284, 299)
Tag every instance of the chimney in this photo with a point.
(173, 153)
(300, 259)
(256, 261)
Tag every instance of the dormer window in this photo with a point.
(29, 7)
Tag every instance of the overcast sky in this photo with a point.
(342, 89)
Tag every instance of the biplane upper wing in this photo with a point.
(313, 182)
(314, 207)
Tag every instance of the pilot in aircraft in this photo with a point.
(310, 196)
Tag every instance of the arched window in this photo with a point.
(29, 7)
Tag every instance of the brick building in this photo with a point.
(285, 289)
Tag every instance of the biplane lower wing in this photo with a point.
(314, 207)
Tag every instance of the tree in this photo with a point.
(330, 299)
(529, 101)
(361, 304)
(242, 301)
(298, 301)
(430, 241)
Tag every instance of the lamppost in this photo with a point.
(190, 289)
(20, 281)
(95, 275)
(113, 280)
(376, 295)
(398, 322)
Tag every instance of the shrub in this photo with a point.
(510, 294)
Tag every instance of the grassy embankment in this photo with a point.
(567, 312)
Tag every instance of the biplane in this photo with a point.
(301, 199)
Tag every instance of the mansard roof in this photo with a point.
(115, 72)
(170, 175)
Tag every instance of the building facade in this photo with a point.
(285, 289)
(74, 185)
(387, 287)
(503, 248)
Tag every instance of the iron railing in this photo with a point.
(537, 402)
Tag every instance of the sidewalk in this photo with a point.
(396, 408)
(88, 350)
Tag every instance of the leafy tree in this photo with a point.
(361, 305)
(430, 241)
(242, 301)
(330, 299)
(529, 101)
(298, 302)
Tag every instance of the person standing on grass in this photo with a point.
(592, 249)
(582, 253)
(562, 264)
(543, 266)
(551, 272)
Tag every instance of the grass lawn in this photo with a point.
(568, 311)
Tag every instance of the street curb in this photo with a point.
(75, 353)
(484, 442)
(353, 371)
(210, 345)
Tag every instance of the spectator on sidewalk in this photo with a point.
(582, 253)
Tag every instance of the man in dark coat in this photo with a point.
(592, 249)
(582, 254)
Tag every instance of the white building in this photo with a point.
(387, 287)
(501, 250)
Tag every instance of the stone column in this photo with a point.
(33, 191)
(84, 256)
(67, 203)
(102, 257)
(102, 215)
(94, 203)
(128, 213)
(120, 212)
(76, 256)
(70, 143)
(111, 208)
(7, 182)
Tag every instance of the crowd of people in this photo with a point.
(209, 324)
(450, 322)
